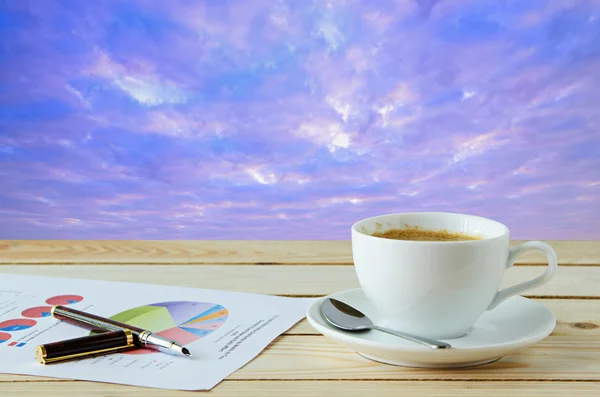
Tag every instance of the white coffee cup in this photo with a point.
(438, 289)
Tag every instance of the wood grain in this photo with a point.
(311, 357)
(574, 343)
(300, 280)
(316, 357)
(228, 252)
(313, 388)
(303, 362)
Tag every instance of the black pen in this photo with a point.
(141, 337)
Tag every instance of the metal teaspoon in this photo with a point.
(344, 316)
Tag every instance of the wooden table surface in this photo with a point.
(303, 362)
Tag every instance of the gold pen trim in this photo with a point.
(40, 353)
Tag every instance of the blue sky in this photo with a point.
(294, 119)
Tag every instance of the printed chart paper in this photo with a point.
(223, 330)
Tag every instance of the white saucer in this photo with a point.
(515, 324)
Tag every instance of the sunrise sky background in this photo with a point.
(294, 119)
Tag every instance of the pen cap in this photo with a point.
(84, 347)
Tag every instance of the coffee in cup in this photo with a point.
(418, 234)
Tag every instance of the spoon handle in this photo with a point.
(432, 343)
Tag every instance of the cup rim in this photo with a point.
(506, 232)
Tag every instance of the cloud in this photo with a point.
(480, 144)
(78, 95)
(329, 134)
(151, 93)
(143, 86)
(468, 94)
(263, 179)
(292, 120)
(175, 124)
(329, 32)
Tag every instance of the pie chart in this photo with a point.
(37, 312)
(64, 300)
(181, 321)
(17, 324)
(4, 337)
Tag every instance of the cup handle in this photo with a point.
(539, 280)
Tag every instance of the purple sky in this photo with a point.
(294, 119)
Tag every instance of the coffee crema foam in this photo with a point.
(417, 234)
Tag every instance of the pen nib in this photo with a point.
(185, 351)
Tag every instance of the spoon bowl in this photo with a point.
(348, 318)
